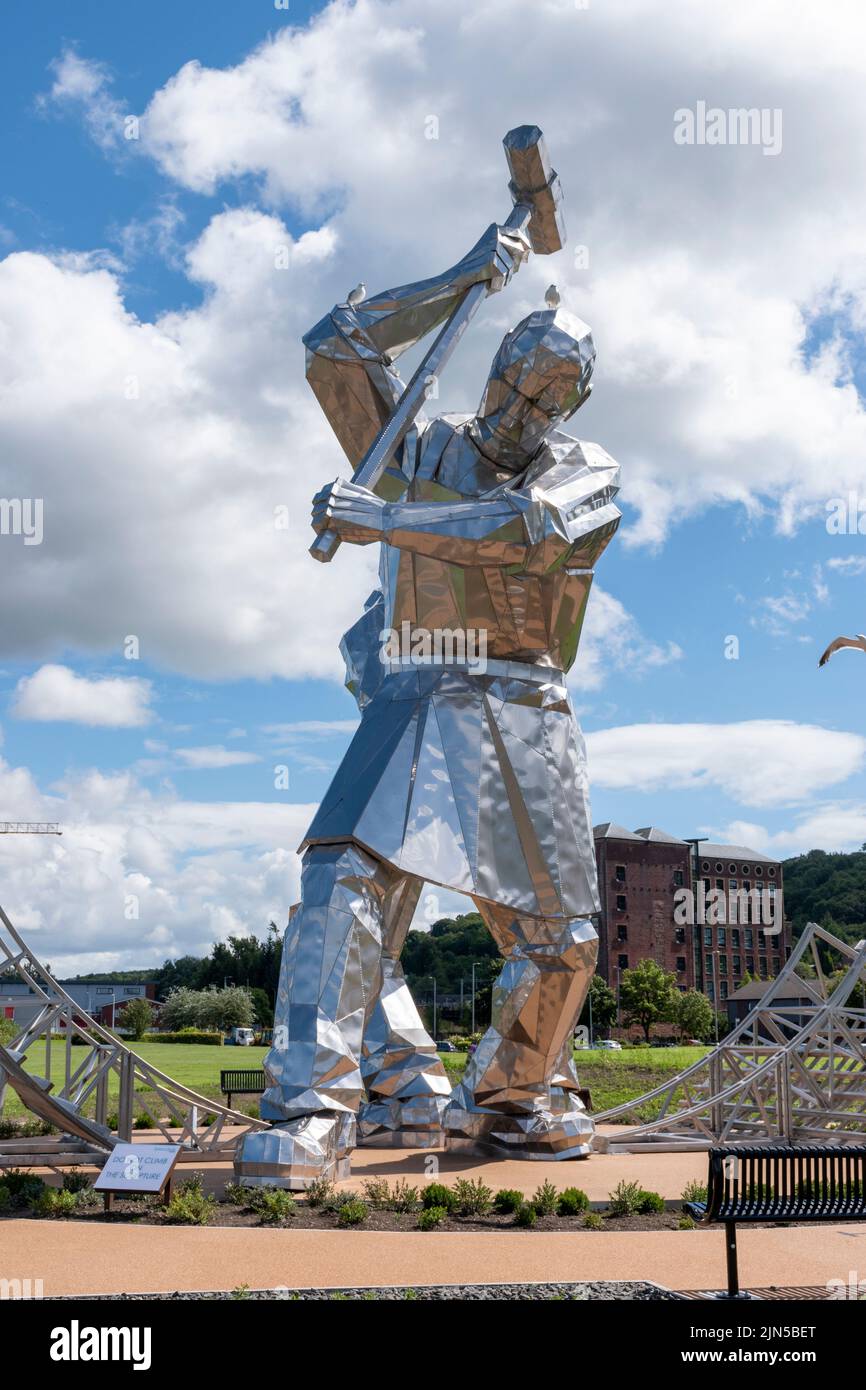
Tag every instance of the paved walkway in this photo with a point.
(72, 1257)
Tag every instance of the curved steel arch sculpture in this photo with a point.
(786, 1071)
(181, 1115)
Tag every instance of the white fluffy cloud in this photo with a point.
(702, 386)
(759, 762)
(57, 693)
(194, 872)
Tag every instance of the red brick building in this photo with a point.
(640, 873)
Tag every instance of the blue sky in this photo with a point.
(745, 271)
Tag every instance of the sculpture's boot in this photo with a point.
(407, 1085)
(519, 1093)
(330, 978)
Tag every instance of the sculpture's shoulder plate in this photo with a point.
(360, 649)
(576, 481)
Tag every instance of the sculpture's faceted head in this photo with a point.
(540, 376)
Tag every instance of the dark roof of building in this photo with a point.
(709, 850)
(756, 989)
(609, 830)
(652, 832)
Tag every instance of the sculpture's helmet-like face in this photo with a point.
(540, 376)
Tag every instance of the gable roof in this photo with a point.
(652, 832)
(609, 830)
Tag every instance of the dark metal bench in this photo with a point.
(240, 1082)
(783, 1182)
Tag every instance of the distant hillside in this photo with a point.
(829, 889)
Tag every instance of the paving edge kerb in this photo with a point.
(603, 1290)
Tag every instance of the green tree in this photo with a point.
(647, 995)
(227, 1008)
(136, 1017)
(693, 1015)
(182, 1009)
(603, 1000)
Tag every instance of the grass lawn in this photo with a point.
(613, 1077)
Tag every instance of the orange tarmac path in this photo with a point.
(73, 1257)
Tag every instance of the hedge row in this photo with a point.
(191, 1035)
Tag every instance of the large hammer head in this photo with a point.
(536, 185)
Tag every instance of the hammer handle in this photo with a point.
(379, 454)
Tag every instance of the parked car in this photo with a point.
(241, 1037)
(608, 1045)
(444, 1046)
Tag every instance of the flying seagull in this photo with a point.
(552, 297)
(357, 295)
(858, 643)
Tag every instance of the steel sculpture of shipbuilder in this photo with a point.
(463, 773)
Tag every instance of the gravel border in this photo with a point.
(630, 1290)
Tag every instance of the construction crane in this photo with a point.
(29, 827)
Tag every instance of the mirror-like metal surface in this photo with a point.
(468, 768)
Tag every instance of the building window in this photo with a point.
(763, 963)
(732, 885)
(744, 869)
(711, 991)
(720, 884)
(680, 936)
(750, 964)
(750, 938)
(678, 878)
(723, 965)
(735, 938)
(708, 965)
(681, 963)
(620, 873)
(771, 873)
(758, 871)
(620, 902)
(720, 868)
(747, 885)
(720, 937)
(776, 963)
(738, 965)
(708, 936)
(723, 988)
(622, 962)
(622, 933)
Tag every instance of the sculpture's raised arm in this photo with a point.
(351, 350)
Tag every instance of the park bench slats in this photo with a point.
(803, 1182)
(240, 1081)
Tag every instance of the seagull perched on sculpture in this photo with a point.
(858, 643)
(357, 295)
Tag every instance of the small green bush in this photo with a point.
(431, 1217)
(75, 1181)
(438, 1195)
(353, 1213)
(686, 1223)
(23, 1188)
(276, 1205)
(144, 1121)
(377, 1193)
(625, 1199)
(5, 1199)
(472, 1198)
(189, 1206)
(318, 1192)
(593, 1221)
(650, 1203)
(339, 1199)
(526, 1216)
(571, 1202)
(405, 1199)
(507, 1200)
(237, 1194)
(545, 1199)
(55, 1202)
(695, 1192)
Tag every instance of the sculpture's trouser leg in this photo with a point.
(407, 1084)
(520, 1087)
(330, 978)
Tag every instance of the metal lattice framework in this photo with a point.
(788, 1071)
(76, 1095)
